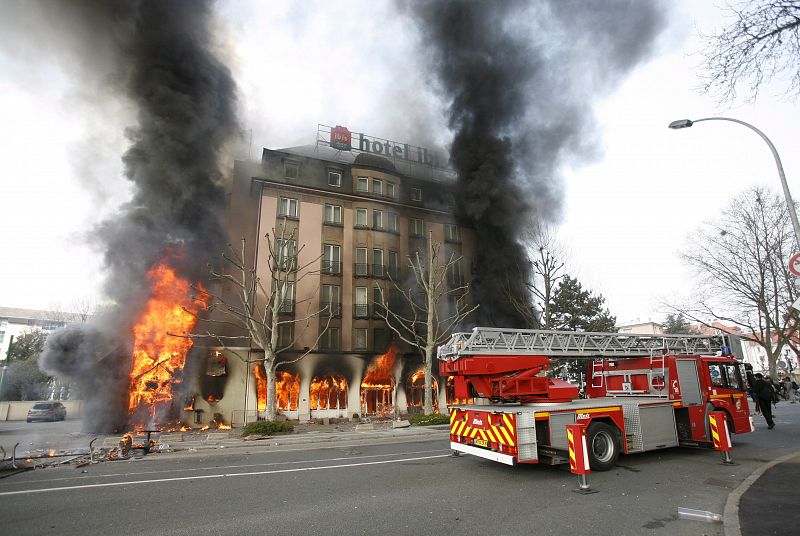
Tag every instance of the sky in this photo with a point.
(628, 208)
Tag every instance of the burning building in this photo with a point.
(361, 205)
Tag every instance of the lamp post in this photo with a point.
(686, 123)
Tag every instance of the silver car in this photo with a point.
(47, 411)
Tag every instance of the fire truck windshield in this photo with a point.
(727, 375)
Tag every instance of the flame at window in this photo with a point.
(287, 391)
(415, 390)
(377, 387)
(287, 388)
(328, 392)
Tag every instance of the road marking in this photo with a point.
(224, 475)
(110, 475)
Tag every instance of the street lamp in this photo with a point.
(686, 123)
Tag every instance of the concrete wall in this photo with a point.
(18, 410)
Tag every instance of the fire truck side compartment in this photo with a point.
(689, 382)
(658, 427)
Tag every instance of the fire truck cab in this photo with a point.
(642, 393)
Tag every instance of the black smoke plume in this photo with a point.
(162, 61)
(519, 79)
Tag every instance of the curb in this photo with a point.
(298, 440)
(730, 516)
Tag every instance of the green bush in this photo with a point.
(428, 420)
(267, 428)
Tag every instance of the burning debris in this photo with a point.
(158, 355)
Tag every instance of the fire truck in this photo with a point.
(641, 393)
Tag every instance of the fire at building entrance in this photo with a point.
(377, 387)
(415, 392)
(328, 396)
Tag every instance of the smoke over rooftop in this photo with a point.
(519, 79)
(162, 61)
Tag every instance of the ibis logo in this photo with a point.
(477, 422)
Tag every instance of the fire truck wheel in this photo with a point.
(603, 444)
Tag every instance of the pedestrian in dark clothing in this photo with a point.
(765, 393)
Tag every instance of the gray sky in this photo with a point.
(627, 212)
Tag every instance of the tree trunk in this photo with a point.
(269, 366)
(428, 406)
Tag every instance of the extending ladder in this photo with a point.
(496, 341)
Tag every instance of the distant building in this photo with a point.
(14, 322)
(644, 328)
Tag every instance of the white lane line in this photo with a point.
(224, 475)
(193, 469)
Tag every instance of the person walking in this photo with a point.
(790, 388)
(766, 394)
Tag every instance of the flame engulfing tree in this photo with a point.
(429, 309)
(741, 262)
(260, 307)
(762, 43)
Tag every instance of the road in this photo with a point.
(405, 488)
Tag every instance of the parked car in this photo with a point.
(47, 411)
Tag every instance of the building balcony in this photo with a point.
(285, 264)
(286, 308)
(361, 310)
(378, 270)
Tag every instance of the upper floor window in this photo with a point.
(333, 213)
(334, 178)
(416, 227)
(360, 339)
(361, 217)
(416, 194)
(329, 339)
(286, 254)
(291, 169)
(377, 186)
(288, 207)
(285, 296)
(362, 184)
(377, 219)
(390, 189)
(331, 300)
(392, 223)
(451, 233)
(331, 258)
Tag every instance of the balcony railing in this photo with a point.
(393, 272)
(331, 309)
(361, 310)
(455, 281)
(286, 307)
(378, 270)
(331, 267)
(361, 269)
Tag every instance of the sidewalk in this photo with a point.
(767, 502)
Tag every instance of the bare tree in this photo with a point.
(430, 309)
(262, 308)
(741, 263)
(547, 259)
(762, 43)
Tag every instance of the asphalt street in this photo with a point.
(365, 488)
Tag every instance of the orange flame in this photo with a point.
(416, 390)
(328, 392)
(158, 357)
(377, 387)
(287, 390)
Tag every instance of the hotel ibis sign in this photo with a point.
(343, 140)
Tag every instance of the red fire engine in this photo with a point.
(642, 393)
